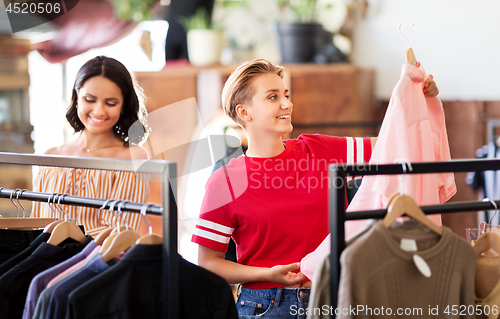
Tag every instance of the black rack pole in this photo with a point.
(456, 166)
(337, 204)
(337, 210)
(446, 208)
(170, 256)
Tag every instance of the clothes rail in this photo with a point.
(168, 174)
(77, 201)
(337, 210)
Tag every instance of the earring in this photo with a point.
(118, 130)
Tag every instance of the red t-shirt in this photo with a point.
(275, 209)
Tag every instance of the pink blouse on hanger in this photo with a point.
(413, 129)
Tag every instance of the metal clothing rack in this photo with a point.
(77, 201)
(337, 211)
(168, 173)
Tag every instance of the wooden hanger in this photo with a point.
(24, 223)
(149, 238)
(109, 238)
(487, 241)
(122, 242)
(50, 227)
(404, 204)
(410, 56)
(99, 239)
(66, 230)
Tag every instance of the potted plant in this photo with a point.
(133, 10)
(203, 41)
(302, 39)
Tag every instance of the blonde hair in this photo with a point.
(238, 88)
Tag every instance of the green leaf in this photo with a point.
(136, 10)
(199, 20)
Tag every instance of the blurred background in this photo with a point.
(342, 58)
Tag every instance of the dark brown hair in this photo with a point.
(116, 72)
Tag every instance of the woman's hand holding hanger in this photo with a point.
(430, 87)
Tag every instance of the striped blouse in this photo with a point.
(91, 183)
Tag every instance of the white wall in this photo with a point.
(457, 41)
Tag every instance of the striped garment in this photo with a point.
(356, 152)
(94, 184)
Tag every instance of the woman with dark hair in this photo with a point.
(104, 104)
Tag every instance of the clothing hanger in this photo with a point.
(65, 230)
(105, 232)
(122, 242)
(99, 239)
(22, 223)
(118, 228)
(410, 56)
(402, 204)
(149, 238)
(109, 239)
(50, 227)
(488, 240)
(487, 226)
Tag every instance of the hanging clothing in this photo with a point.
(320, 291)
(40, 281)
(133, 289)
(487, 286)
(73, 268)
(492, 183)
(14, 241)
(9, 264)
(91, 183)
(413, 129)
(262, 202)
(56, 307)
(310, 262)
(14, 284)
(377, 272)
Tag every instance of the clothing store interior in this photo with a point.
(249, 159)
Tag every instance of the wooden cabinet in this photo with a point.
(332, 99)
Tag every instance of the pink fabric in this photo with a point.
(73, 268)
(413, 129)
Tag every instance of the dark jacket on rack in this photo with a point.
(9, 264)
(14, 284)
(14, 241)
(133, 289)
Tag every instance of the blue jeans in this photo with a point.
(272, 303)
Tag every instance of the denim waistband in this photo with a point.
(276, 293)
